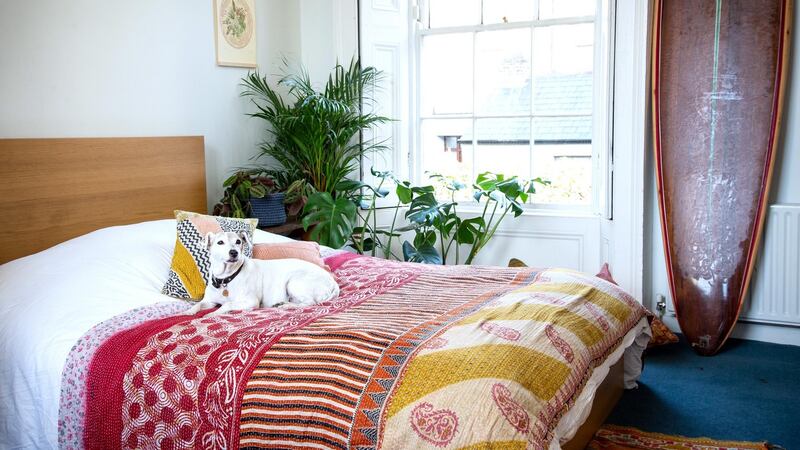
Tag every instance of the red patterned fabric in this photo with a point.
(332, 375)
(177, 382)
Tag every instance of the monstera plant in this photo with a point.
(439, 230)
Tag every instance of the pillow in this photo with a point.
(188, 274)
(307, 251)
(661, 334)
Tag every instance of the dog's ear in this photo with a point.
(245, 237)
(209, 240)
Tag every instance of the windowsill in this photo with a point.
(536, 212)
(473, 208)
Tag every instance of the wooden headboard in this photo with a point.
(52, 190)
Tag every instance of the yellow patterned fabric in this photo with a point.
(189, 271)
(519, 362)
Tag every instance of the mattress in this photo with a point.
(433, 357)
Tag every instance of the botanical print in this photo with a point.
(234, 24)
(237, 23)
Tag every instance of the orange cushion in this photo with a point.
(661, 334)
(307, 251)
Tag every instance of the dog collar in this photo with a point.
(223, 282)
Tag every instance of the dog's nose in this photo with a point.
(233, 253)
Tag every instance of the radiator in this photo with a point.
(774, 295)
(775, 290)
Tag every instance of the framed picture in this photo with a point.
(235, 32)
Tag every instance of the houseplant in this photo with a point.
(439, 230)
(269, 209)
(315, 135)
(251, 193)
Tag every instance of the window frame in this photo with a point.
(602, 103)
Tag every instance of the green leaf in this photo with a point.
(349, 185)
(512, 188)
(369, 244)
(381, 174)
(257, 191)
(229, 181)
(469, 230)
(517, 209)
(451, 223)
(425, 239)
(422, 189)
(424, 255)
(332, 219)
(424, 209)
(404, 194)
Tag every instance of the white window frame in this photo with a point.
(602, 105)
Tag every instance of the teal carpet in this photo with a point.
(750, 391)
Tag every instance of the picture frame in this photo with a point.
(235, 33)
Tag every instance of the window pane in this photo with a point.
(503, 146)
(562, 153)
(443, 151)
(504, 11)
(563, 60)
(451, 13)
(551, 9)
(447, 74)
(503, 72)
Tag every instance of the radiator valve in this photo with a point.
(661, 304)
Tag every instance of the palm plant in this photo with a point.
(315, 136)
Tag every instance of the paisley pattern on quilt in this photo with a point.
(407, 356)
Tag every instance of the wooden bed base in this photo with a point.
(605, 399)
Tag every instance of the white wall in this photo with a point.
(134, 68)
(328, 34)
(785, 189)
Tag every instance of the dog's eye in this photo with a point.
(220, 243)
(238, 242)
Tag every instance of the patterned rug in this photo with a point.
(612, 437)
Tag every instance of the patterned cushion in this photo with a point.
(189, 272)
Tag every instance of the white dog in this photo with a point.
(241, 283)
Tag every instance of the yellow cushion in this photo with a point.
(189, 272)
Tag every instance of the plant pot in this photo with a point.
(270, 210)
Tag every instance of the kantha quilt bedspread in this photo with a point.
(408, 356)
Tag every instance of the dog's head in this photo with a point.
(227, 246)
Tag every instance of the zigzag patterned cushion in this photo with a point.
(189, 272)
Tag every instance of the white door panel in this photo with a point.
(384, 41)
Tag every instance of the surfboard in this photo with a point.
(719, 70)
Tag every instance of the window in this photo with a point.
(517, 87)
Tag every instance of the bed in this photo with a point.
(92, 355)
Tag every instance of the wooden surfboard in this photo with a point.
(718, 85)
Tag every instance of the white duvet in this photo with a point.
(50, 299)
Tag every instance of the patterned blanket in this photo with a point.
(408, 356)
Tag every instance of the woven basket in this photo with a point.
(269, 210)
